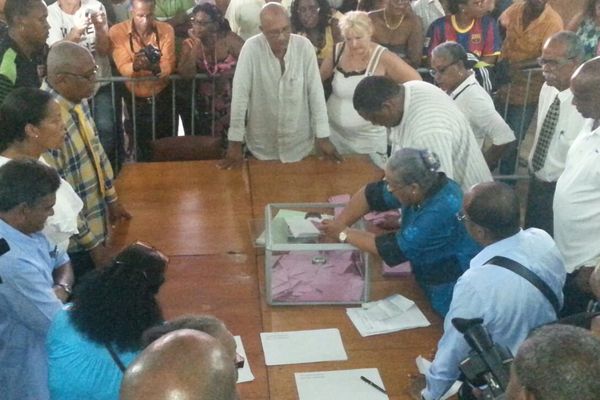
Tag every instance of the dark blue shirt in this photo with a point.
(430, 237)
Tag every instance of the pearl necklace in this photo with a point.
(387, 24)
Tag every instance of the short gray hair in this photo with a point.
(450, 51)
(418, 166)
(560, 362)
(574, 45)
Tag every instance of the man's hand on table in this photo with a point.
(328, 151)
(234, 158)
(116, 212)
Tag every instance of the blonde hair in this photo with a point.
(357, 22)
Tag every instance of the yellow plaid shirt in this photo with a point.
(74, 164)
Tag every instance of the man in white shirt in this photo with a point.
(422, 116)
(561, 55)
(577, 198)
(278, 86)
(244, 16)
(449, 68)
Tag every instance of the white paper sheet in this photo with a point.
(244, 374)
(297, 347)
(392, 314)
(339, 385)
(423, 365)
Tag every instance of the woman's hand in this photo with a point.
(332, 228)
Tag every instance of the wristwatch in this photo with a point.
(66, 287)
(343, 236)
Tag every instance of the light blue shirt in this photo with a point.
(80, 368)
(509, 304)
(27, 306)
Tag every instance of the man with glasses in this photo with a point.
(82, 161)
(452, 72)
(510, 305)
(190, 363)
(278, 106)
(558, 124)
(421, 116)
(145, 48)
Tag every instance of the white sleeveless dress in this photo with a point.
(351, 133)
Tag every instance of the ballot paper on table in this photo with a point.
(297, 347)
(423, 366)
(244, 374)
(394, 313)
(339, 385)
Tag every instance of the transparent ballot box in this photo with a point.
(303, 267)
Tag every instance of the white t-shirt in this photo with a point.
(61, 24)
(477, 105)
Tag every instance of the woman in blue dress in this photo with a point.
(91, 342)
(430, 236)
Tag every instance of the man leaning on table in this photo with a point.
(278, 86)
(510, 305)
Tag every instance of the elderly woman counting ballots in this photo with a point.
(430, 236)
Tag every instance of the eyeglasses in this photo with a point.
(239, 361)
(554, 63)
(393, 188)
(462, 217)
(275, 34)
(90, 76)
(433, 72)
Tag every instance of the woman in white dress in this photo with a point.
(353, 59)
(30, 125)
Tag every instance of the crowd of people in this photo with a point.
(434, 92)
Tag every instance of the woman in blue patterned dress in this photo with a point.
(430, 235)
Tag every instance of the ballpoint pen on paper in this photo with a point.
(376, 386)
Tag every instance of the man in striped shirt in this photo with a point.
(420, 115)
(81, 161)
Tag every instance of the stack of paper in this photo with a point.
(339, 385)
(391, 314)
(297, 347)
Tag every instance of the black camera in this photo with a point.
(488, 364)
(152, 53)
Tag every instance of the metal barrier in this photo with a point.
(119, 92)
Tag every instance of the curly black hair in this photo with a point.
(214, 14)
(117, 304)
(324, 16)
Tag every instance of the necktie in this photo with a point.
(546, 133)
(87, 133)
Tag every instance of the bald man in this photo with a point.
(278, 106)
(577, 199)
(509, 305)
(81, 160)
(185, 364)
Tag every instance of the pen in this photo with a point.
(376, 386)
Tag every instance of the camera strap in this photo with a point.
(535, 280)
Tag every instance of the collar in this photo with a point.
(11, 233)
(62, 101)
(458, 28)
(470, 80)
(498, 248)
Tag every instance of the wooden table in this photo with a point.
(200, 217)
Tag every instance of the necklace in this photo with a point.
(388, 25)
(215, 69)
